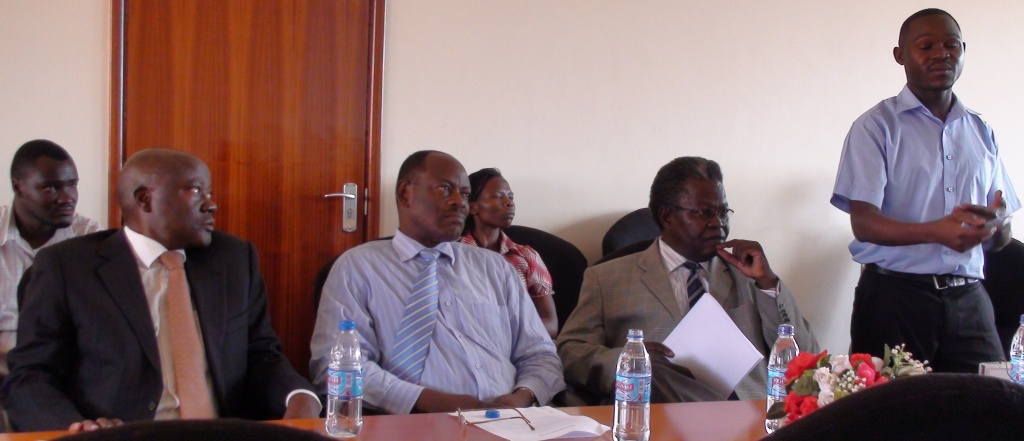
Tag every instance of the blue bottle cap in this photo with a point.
(346, 325)
(785, 329)
(492, 413)
(1022, 319)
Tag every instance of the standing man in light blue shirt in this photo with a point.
(922, 180)
(485, 345)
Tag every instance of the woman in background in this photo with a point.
(492, 208)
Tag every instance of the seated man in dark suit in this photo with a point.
(115, 328)
(654, 289)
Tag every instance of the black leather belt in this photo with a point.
(939, 281)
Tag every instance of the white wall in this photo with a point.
(55, 84)
(579, 102)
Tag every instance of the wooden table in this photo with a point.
(715, 421)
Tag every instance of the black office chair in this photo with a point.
(198, 430)
(924, 407)
(630, 229)
(565, 262)
(626, 250)
(1004, 281)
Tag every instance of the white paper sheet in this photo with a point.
(708, 343)
(550, 423)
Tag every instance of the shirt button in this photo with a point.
(478, 365)
(448, 303)
(949, 156)
(949, 189)
(946, 252)
(152, 405)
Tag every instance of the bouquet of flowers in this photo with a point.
(814, 380)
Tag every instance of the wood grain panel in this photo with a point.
(281, 99)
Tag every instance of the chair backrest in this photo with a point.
(923, 407)
(565, 262)
(626, 250)
(1004, 281)
(630, 229)
(198, 430)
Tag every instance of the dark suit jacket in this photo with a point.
(87, 347)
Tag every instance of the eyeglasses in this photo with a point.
(465, 424)
(707, 213)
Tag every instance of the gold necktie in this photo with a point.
(189, 368)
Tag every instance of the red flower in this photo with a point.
(800, 405)
(868, 375)
(866, 358)
(801, 363)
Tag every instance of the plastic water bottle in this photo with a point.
(632, 421)
(345, 384)
(784, 350)
(1017, 354)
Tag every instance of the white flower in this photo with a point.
(824, 378)
(840, 363)
(878, 363)
(825, 396)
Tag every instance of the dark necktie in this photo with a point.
(694, 287)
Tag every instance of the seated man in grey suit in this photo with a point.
(162, 319)
(442, 325)
(653, 290)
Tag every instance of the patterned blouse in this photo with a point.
(526, 261)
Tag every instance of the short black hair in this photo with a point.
(477, 181)
(922, 13)
(413, 164)
(26, 156)
(671, 179)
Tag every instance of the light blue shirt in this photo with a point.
(488, 339)
(917, 168)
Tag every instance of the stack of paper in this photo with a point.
(550, 423)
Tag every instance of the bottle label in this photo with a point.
(777, 383)
(633, 390)
(344, 384)
(1017, 369)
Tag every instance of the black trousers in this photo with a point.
(954, 328)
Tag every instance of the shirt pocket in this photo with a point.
(488, 325)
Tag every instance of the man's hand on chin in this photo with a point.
(302, 406)
(90, 425)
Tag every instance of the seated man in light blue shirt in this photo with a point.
(922, 181)
(480, 342)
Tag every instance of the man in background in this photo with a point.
(162, 319)
(45, 183)
(442, 325)
(655, 289)
(921, 177)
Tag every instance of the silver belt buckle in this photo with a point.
(951, 281)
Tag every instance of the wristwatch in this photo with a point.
(533, 396)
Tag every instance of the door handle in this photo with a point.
(349, 209)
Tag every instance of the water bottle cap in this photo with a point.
(635, 333)
(346, 325)
(492, 413)
(785, 329)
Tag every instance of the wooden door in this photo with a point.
(281, 99)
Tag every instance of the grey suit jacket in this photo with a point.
(634, 292)
(87, 346)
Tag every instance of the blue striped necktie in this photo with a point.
(694, 287)
(413, 338)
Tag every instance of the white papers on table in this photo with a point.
(550, 423)
(708, 343)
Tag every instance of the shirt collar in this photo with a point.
(906, 100)
(8, 229)
(146, 249)
(408, 248)
(672, 259)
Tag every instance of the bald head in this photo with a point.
(165, 195)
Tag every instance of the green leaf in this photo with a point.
(776, 411)
(888, 355)
(825, 361)
(806, 386)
